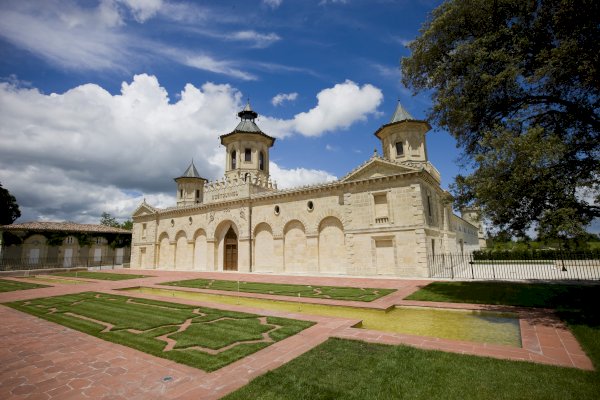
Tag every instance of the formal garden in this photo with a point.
(200, 337)
(358, 370)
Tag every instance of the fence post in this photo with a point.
(471, 258)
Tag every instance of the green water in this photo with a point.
(474, 326)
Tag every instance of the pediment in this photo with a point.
(144, 209)
(376, 168)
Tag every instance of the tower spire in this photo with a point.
(247, 113)
(401, 114)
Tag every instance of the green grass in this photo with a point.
(320, 292)
(150, 319)
(107, 276)
(510, 293)
(344, 369)
(10, 286)
(353, 370)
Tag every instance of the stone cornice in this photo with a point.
(282, 194)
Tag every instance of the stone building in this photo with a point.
(62, 244)
(383, 218)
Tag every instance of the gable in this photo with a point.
(144, 209)
(376, 168)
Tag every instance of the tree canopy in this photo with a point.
(516, 83)
(109, 220)
(9, 209)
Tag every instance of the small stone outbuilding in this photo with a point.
(62, 244)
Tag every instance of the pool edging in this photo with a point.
(544, 338)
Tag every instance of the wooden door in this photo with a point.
(230, 249)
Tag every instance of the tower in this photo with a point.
(190, 187)
(403, 138)
(247, 149)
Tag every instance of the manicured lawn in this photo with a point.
(10, 286)
(145, 324)
(321, 292)
(343, 369)
(107, 276)
(509, 293)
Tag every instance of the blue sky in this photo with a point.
(102, 103)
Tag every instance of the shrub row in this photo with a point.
(536, 255)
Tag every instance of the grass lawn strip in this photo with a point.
(509, 293)
(357, 370)
(107, 276)
(353, 370)
(7, 285)
(200, 337)
(320, 292)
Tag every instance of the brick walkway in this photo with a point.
(43, 360)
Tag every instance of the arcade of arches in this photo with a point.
(289, 250)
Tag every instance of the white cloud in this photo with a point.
(272, 3)
(403, 41)
(329, 147)
(143, 9)
(388, 72)
(71, 39)
(338, 108)
(208, 63)
(259, 40)
(74, 155)
(77, 153)
(295, 177)
(281, 97)
(77, 38)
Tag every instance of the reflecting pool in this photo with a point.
(475, 326)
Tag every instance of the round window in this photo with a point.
(276, 209)
(172, 222)
(310, 205)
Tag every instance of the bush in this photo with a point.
(519, 254)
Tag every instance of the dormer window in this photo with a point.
(233, 159)
(248, 155)
(399, 149)
(261, 161)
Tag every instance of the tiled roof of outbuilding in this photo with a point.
(63, 227)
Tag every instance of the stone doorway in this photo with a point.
(230, 256)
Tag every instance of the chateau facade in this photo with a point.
(386, 217)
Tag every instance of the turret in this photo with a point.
(247, 149)
(190, 187)
(403, 138)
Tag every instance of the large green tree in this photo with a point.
(516, 83)
(9, 209)
(108, 220)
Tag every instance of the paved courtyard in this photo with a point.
(43, 360)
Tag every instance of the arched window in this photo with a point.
(233, 159)
(399, 149)
(261, 161)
